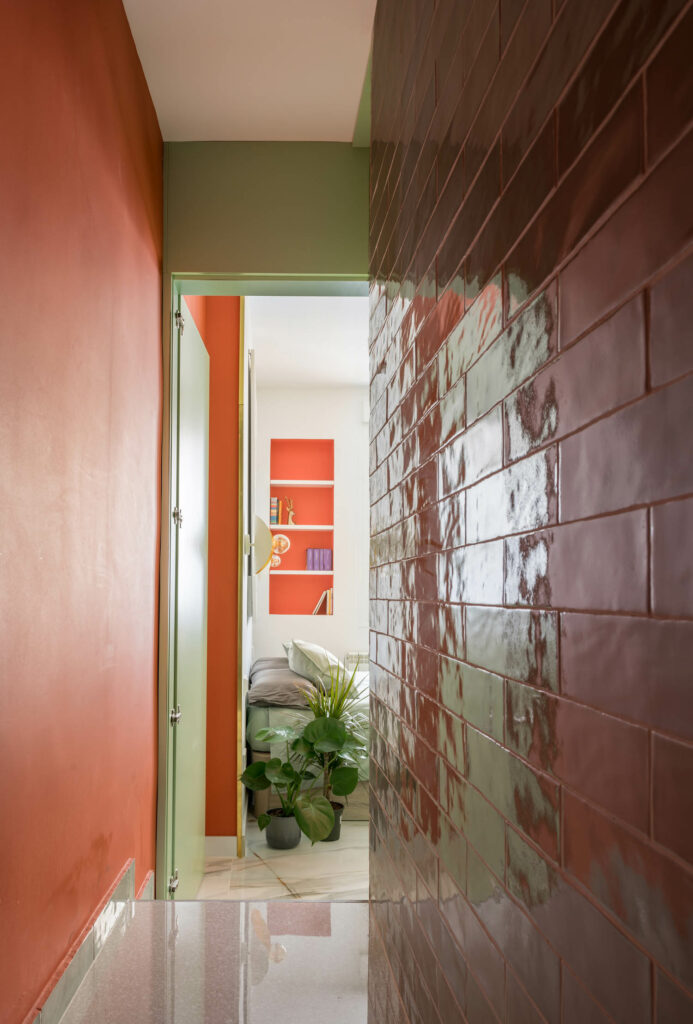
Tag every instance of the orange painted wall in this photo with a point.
(218, 321)
(80, 464)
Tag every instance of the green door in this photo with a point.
(188, 719)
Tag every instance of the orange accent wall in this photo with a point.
(80, 462)
(218, 321)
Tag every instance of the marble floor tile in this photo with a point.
(326, 871)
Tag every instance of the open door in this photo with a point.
(187, 719)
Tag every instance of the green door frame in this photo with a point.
(175, 286)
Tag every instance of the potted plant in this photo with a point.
(337, 751)
(334, 750)
(300, 811)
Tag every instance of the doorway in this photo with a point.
(252, 593)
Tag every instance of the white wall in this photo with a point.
(342, 414)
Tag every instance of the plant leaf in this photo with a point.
(254, 776)
(326, 734)
(302, 746)
(263, 821)
(344, 780)
(315, 816)
(267, 735)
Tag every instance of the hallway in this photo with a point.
(507, 185)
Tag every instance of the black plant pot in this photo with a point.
(282, 833)
(337, 827)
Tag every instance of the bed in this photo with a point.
(276, 699)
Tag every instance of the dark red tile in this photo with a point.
(472, 575)
(671, 337)
(528, 343)
(629, 37)
(649, 892)
(604, 370)
(600, 564)
(670, 89)
(481, 324)
(578, 1006)
(520, 1008)
(602, 757)
(672, 796)
(473, 455)
(526, 798)
(616, 973)
(673, 1005)
(522, 197)
(637, 455)
(649, 229)
(573, 32)
(522, 497)
(672, 559)
(477, 205)
(634, 667)
(474, 817)
(514, 642)
(521, 943)
(604, 171)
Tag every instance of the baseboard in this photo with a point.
(61, 988)
(220, 846)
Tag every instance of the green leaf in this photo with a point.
(344, 780)
(267, 735)
(315, 816)
(326, 734)
(263, 821)
(302, 747)
(254, 776)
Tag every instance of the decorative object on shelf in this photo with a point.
(280, 543)
(289, 506)
(275, 562)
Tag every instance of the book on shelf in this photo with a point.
(319, 559)
(324, 605)
(274, 511)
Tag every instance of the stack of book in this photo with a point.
(325, 604)
(319, 559)
(275, 511)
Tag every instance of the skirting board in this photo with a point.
(56, 1002)
(220, 846)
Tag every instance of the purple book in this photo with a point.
(328, 558)
(309, 559)
(321, 554)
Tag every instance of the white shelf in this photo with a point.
(301, 483)
(301, 572)
(285, 526)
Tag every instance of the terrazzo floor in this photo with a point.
(229, 963)
(327, 871)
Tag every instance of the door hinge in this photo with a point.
(175, 715)
(178, 516)
(173, 881)
(180, 321)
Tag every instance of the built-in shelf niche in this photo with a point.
(302, 470)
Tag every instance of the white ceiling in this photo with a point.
(266, 70)
(309, 342)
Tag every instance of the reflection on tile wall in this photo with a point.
(532, 512)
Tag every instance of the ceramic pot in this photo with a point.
(282, 833)
(337, 827)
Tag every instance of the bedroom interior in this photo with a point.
(303, 604)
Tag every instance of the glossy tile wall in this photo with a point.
(532, 512)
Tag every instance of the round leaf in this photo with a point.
(315, 816)
(344, 780)
(326, 734)
(254, 776)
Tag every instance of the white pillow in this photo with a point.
(312, 662)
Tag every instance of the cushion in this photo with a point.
(278, 686)
(262, 663)
(312, 661)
